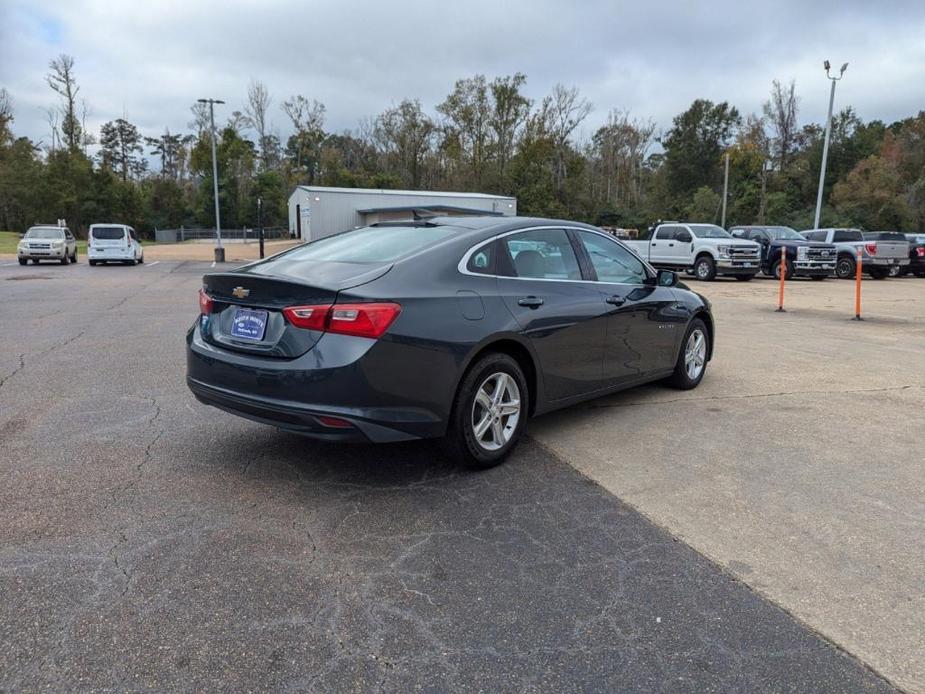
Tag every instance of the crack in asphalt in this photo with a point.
(714, 398)
(22, 364)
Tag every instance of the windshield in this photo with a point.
(45, 233)
(784, 233)
(709, 231)
(371, 244)
(107, 233)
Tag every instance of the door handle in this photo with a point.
(530, 301)
(671, 245)
(615, 300)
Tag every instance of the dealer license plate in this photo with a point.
(249, 324)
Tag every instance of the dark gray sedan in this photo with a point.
(454, 327)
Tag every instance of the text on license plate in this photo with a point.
(249, 324)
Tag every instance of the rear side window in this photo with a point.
(543, 254)
(370, 244)
(108, 233)
(814, 235)
(884, 236)
(483, 260)
(667, 233)
(847, 235)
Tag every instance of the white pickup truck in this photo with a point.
(705, 249)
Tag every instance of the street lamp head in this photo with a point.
(826, 65)
(843, 68)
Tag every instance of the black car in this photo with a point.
(454, 327)
(804, 258)
(916, 264)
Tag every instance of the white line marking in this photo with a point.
(213, 264)
(154, 263)
(9, 264)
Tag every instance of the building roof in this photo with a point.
(430, 208)
(383, 191)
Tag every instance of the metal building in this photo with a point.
(316, 211)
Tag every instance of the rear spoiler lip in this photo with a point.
(351, 282)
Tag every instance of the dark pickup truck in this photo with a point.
(804, 258)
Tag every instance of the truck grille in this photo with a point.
(743, 253)
(820, 254)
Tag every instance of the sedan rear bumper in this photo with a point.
(296, 394)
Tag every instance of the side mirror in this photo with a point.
(666, 278)
(684, 237)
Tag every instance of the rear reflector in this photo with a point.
(334, 422)
(362, 320)
(205, 303)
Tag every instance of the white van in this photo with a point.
(114, 243)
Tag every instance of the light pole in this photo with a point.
(828, 132)
(219, 251)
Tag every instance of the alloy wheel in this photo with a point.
(695, 354)
(495, 411)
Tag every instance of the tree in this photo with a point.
(694, 146)
(257, 114)
(466, 129)
(121, 150)
(509, 112)
(781, 112)
(561, 113)
(63, 82)
(303, 147)
(405, 134)
(171, 149)
(6, 117)
(704, 206)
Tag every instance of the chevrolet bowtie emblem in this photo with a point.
(241, 292)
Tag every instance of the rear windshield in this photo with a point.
(884, 236)
(107, 233)
(371, 244)
(47, 233)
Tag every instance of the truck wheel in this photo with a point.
(845, 267)
(705, 268)
(489, 413)
(692, 361)
(877, 274)
(775, 270)
(23, 261)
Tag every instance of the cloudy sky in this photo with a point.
(149, 60)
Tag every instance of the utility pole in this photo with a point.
(725, 191)
(828, 132)
(219, 251)
(260, 223)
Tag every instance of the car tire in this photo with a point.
(705, 268)
(877, 273)
(141, 260)
(462, 442)
(684, 377)
(745, 278)
(845, 267)
(920, 274)
(91, 262)
(23, 261)
(74, 257)
(775, 270)
(64, 260)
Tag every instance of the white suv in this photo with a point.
(47, 243)
(114, 243)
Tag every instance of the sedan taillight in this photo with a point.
(362, 320)
(205, 303)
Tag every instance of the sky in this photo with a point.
(148, 61)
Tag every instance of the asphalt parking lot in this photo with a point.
(720, 539)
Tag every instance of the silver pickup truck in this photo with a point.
(878, 256)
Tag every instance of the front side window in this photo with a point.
(543, 254)
(611, 261)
